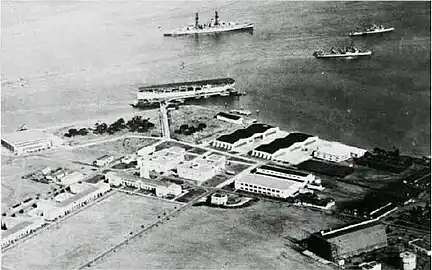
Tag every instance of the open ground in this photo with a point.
(86, 234)
(202, 237)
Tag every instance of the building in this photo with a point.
(231, 118)
(29, 141)
(268, 185)
(337, 152)
(163, 160)
(16, 228)
(160, 188)
(65, 203)
(409, 260)
(72, 178)
(201, 169)
(348, 241)
(286, 173)
(104, 160)
(420, 245)
(219, 199)
(293, 142)
(146, 150)
(57, 174)
(249, 135)
(370, 266)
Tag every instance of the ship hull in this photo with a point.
(181, 32)
(343, 56)
(354, 34)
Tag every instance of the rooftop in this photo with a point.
(152, 183)
(25, 136)
(350, 228)
(229, 116)
(244, 133)
(269, 182)
(104, 157)
(192, 83)
(283, 170)
(283, 142)
(15, 225)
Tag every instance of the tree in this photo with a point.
(3, 227)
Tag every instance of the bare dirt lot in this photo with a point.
(86, 234)
(202, 237)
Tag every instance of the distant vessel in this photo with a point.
(241, 112)
(374, 29)
(347, 53)
(185, 90)
(214, 26)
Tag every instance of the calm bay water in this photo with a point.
(80, 60)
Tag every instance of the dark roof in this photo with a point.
(352, 229)
(244, 133)
(282, 142)
(229, 116)
(282, 170)
(202, 82)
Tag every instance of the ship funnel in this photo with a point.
(216, 18)
(196, 20)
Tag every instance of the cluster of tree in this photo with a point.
(136, 124)
(189, 130)
(3, 226)
(74, 132)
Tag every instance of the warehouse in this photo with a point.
(335, 151)
(16, 228)
(231, 118)
(348, 241)
(267, 185)
(291, 143)
(286, 173)
(160, 188)
(203, 168)
(104, 160)
(29, 141)
(249, 135)
(163, 160)
(64, 203)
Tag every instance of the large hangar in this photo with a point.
(29, 141)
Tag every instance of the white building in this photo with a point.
(65, 203)
(286, 173)
(231, 118)
(249, 135)
(29, 141)
(104, 160)
(267, 185)
(57, 174)
(292, 143)
(409, 260)
(146, 150)
(72, 178)
(17, 228)
(160, 188)
(163, 160)
(335, 151)
(201, 169)
(219, 199)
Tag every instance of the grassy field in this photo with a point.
(86, 234)
(192, 116)
(211, 238)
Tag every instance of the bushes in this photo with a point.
(189, 130)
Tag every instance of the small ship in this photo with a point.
(346, 53)
(214, 26)
(374, 29)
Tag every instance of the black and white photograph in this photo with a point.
(215, 134)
